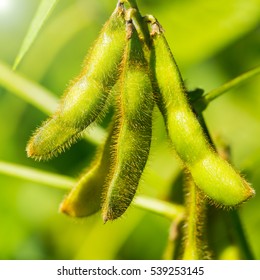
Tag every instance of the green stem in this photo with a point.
(202, 103)
(39, 97)
(140, 24)
(240, 236)
(174, 239)
(27, 90)
(132, 3)
(154, 205)
(194, 246)
(166, 209)
(36, 176)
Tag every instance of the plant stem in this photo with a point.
(140, 24)
(166, 209)
(174, 239)
(194, 246)
(36, 176)
(132, 3)
(240, 235)
(154, 205)
(27, 90)
(231, 84)
(202, 103)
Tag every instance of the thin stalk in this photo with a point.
(174, 239)
(166, 209)
(240, 236)
(140, 23)
(202, 103)
(27, 90)
(36, 176)
(132, 3)
(154, 205)
(194, 236)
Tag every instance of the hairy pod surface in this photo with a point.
(132, 138)
(86, 98)
(85, 198)
(211, 173)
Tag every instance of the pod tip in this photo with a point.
(105, 219)
(31, 151)
(66, 209)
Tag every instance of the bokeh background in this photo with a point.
(213, 42)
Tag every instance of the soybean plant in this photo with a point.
(144, 71)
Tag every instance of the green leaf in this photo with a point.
(44, 10)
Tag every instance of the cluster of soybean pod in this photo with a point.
(139, 77)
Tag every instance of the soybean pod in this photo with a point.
(212, 174)
(132, 138)
(85, 100)
(85, 197)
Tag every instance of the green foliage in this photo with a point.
(42, 14)
(208, 55)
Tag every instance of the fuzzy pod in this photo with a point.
(85, 198)
(132, 138)
(85, 100)
(212, 174)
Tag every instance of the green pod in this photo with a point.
(85, 100)
(212, 174)
(85, 198)
(132, 138)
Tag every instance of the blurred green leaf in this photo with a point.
(44, 10)
(81, 17)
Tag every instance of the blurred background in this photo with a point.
(213, 42)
